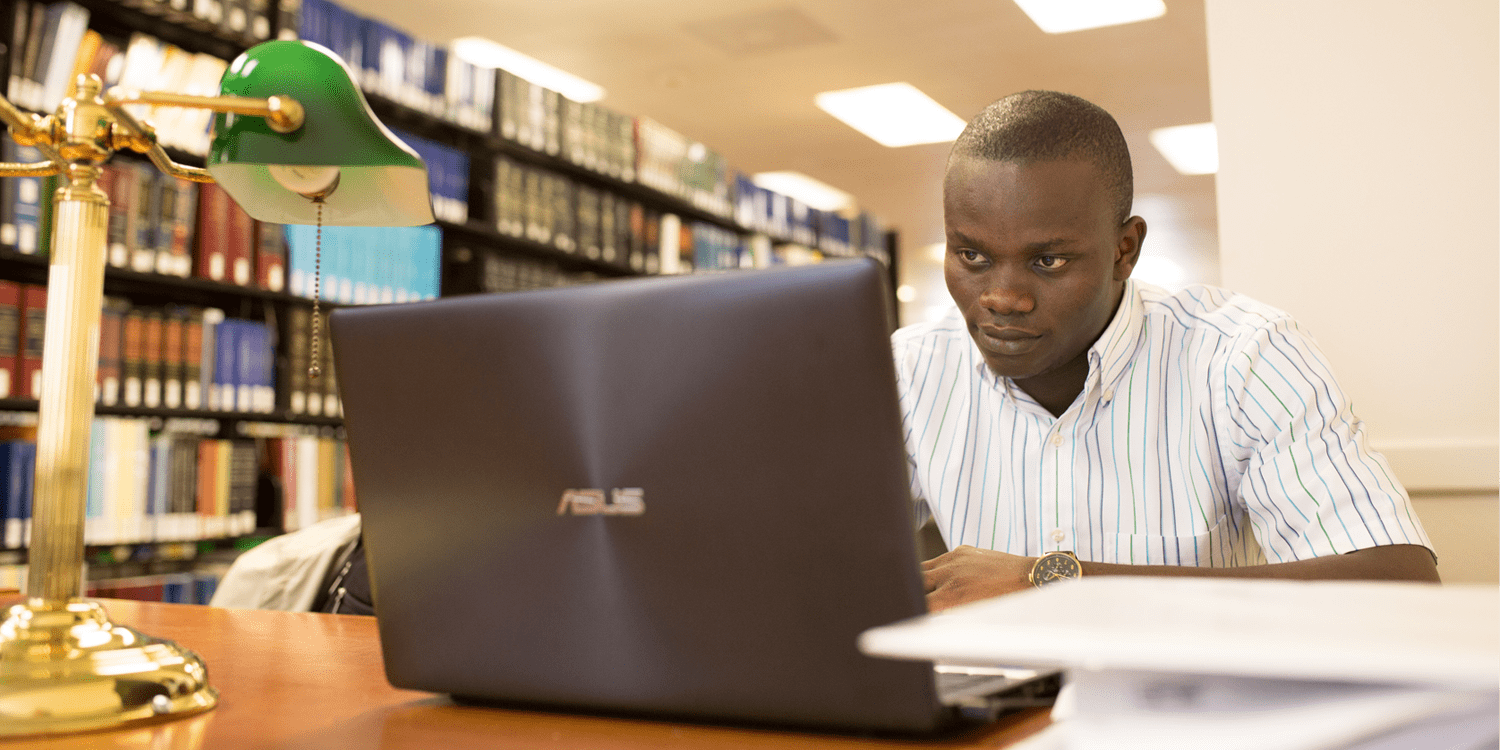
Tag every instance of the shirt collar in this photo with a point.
(1110, 355)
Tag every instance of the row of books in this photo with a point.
(768, 212)
(674, 164)
(57, 46)
(366, 265)
(397, 66)
(161, 486)
(171, 358)
(244, 21)
(315, 477)
(583, 133)
(157, 224)
(196, 587)
(586, 134)
(483, 270)
(543, 206)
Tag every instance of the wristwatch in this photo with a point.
(1053, 567)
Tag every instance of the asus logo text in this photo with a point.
(628, 501)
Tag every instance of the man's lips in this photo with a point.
(1004, 340)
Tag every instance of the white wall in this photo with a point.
(1358, 189)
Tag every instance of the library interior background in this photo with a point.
(689, 137)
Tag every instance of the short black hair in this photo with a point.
(1035, 126)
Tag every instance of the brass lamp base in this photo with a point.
(72, 670)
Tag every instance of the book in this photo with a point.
(192, 360)
(298, 330)
(111, 350)
(243, 470)
(34, 320)
(100, 469)
(8, 197)
(173, 329)
(238, 250)
(10, 337)
(226, 365)
(182, 195)
(209, 320)
(17, 463)
(213, 233)
(62, 32)
(118, 180)
(133, 358)
(146, 196)
(83, 60)
(30, 194)
(270, 256)
(15, 59)
(27, 90)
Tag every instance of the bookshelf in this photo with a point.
(531, 190)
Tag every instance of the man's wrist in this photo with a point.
(1055, 567)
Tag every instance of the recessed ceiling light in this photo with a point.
(1191, 149)
(487, 54)
(815, 193)
(1062, 16)
(892, 114)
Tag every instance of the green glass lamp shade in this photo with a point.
(380, 180)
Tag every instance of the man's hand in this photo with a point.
(968, 574)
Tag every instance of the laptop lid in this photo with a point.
(682, 496)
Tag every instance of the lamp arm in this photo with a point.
(28, 129)
(141, 138)
(283, 113)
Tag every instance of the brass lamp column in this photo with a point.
(63, 665)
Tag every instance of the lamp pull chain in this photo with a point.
(315, 368)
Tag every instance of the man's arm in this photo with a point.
(968, 574)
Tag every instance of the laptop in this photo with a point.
(679, 497)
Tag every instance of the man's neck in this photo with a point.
(1056, 389)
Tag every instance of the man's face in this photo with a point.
(1035, 260)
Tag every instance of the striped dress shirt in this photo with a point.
(1210, 432)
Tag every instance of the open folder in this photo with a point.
(1167, 663)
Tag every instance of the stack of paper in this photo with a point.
(1165, 663)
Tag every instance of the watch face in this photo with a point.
(1055, 567)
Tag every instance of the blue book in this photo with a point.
(177, 589)
(247, 364)
(458, 184)
(19, 466)
(10, 493)
(226, 364)
(204, 585)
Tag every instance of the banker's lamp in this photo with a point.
(294, 143)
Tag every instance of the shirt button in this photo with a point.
(1057, 439)
(1058, 535)
(1109, 396)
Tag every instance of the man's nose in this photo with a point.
(1008, 295)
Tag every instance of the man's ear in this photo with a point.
(1128, 247)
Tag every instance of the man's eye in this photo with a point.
(969, 256)
(1051, 262)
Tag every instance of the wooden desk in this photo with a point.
(301, 680)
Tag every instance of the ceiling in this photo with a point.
(740, 75)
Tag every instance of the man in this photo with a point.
(1066, 420)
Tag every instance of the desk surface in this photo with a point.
(303, 680)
